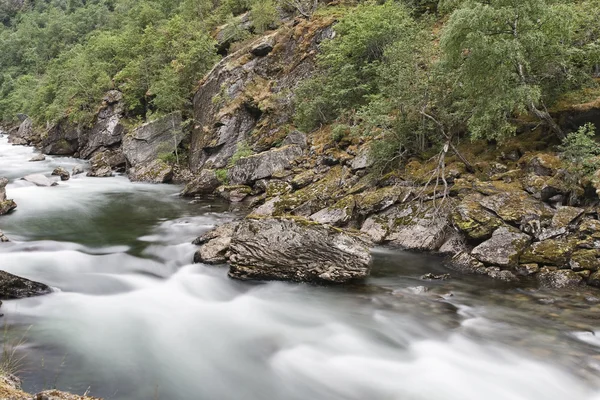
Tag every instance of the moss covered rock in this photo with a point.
(549, 252)
(473, 220)
(585, 259)
(339, 214)
(513, 206)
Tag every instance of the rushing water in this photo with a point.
(131, 318)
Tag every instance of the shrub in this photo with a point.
(582, 150)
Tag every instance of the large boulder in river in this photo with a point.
(296, 249)
(15, 287)
(148, 141)
(39, 180)
(249, 169)
(6, 205)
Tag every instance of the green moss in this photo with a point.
(549, 252)
(222, 175)
(473, 220)
(585, 259)
(277, 188)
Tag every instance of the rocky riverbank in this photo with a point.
(516, 211)
(10, 389)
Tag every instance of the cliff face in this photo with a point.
(247, 97)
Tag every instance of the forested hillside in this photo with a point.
(418, 72)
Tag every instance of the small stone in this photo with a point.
(38, 157)
(527, 269)
(432, 277)
(63, 173)
(77, 170)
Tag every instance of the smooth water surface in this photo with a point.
(132, 319)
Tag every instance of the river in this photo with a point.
(131, 318)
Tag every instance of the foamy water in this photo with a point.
(131, 318)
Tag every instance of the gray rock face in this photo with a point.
(205, 183)
(147, 142)
(230, 103)
(296, 137)
(503, 248)
(40, 180)
(155, 171)
(362, 160)
(296, 250)
(247, 170)
(107, 131)
(24, 135)
(215, 244)
(14, 287)
(62, 139)
(63, 173)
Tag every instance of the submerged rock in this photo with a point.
(15, 287)
(3, 238)
(39, 180)
(77, 170)
(298, 250)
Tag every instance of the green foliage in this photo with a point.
(59, 61)
(242, 150)
(222, 176)
(263, 14)
(582, 150)
(510, 57)
(350, 62)
(168, 157)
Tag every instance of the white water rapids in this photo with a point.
(131, 318)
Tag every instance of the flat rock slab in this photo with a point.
(40, 180)
(295, 249)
